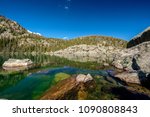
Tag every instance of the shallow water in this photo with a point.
(50, 70)
(34, 85)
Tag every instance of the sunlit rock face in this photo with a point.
(83, 78)
(17, 64)
(135, 58)
(93, 53)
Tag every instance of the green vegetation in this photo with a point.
(15, 39)
(52, 61)
(61, 76)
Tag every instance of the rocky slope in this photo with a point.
(135, 61)
(91, 48)
(135, 58)
(14, 38)
(83, 53)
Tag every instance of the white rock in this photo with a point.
(84, 78)
(17, 63)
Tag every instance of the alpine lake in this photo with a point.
(49, 70)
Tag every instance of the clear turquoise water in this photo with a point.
(34, 85)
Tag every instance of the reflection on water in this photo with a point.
(34, 85)
(81, 58)
(10, 80)
(49, 70)
(47, 60)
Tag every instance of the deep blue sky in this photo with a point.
(73, 18)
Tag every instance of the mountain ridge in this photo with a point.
(13, 38)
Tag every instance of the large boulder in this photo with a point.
(17, 64)
(71, 88)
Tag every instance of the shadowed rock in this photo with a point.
(140, 38)
(135, 66)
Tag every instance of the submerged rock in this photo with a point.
(61, 76)
(17, 64)
(71, 88)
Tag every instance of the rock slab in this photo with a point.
(69, 88)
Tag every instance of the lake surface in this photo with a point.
(34, 85)
(50, 70)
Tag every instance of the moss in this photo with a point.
(98, 76)
(60, 76)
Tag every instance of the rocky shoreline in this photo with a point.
(133, 61)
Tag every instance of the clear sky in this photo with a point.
(73, 18)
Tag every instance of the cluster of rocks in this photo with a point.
(135, 61)
(70, 88)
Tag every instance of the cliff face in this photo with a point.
(140, 38)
